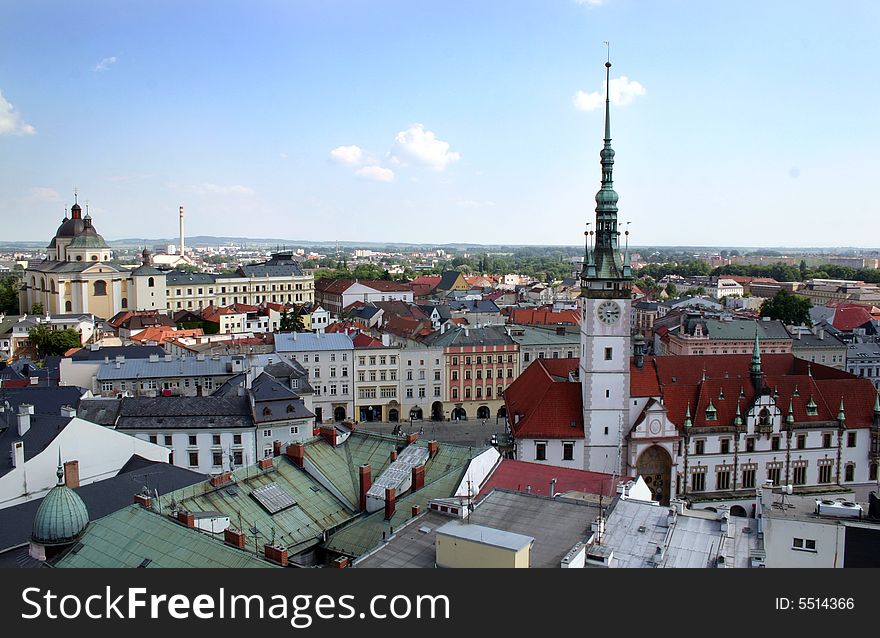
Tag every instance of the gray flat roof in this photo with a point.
(485, 535)
(556, 525)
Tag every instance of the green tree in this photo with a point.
(37, 309)
(792, 310)
(671, 290)
(9, 295)
(53, 342)
(291, 321)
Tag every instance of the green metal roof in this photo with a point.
(443, 474)
(88, 241)
(133, 535)
(61, 517)
(340, 464)
(533, 336)
(297, 527)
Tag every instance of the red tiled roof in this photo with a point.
(517, 475)
(549, 405)
(848, 317)
(161, 335)
(366, 341)
(346, 327)
(529, 317)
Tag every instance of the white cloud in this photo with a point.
(283, 155)
(377, 173)
(219, 189)
(11, 122)
(471, 203)
(418, 146)
(348, 155)
(106, 63)
(591, 3)
(623, 92)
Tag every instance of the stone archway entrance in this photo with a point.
(655, 467)
(415, 414)
(483, 412)
(436, 411)
(393, 415)
(459, 414)
(738, 510)
(339, 414)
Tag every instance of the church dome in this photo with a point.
(70, 228)
(61, 517)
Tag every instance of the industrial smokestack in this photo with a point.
(182, 247)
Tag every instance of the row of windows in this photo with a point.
(479, 359)
(479, 374)
(382, 359)
(825, 474)
(541, 450)
(724, 445)
(409, 392)
(316, 358)
(527, 356)
(478, 392)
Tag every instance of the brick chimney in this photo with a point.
(187, 518)
(264, 464)
(390, 502)
(416, 510)
(366, 482)
(220, 479)
(340, 563)
(144, 501)
(296, 452)
(393, 455)
(328, 433)
(71, 474)
(433, 449)
(418, 477)
(412, 438)
(234, 537)
(276, 554)
(276, 448)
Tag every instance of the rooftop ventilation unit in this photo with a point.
(839, 509)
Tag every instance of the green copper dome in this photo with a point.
(88, 241)
(61, 517)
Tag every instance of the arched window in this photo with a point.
(94, 258)
(850, 472)
(68, 307)
(479, 393)
(124, 302)
(100, 288)
(454, 393)
(872, 472)
(267, 411)
(79, 258)
(467, 374)
(467, 393)
(151, 282)
(764, 417)
(54, 289)
(455, 375)
(290, 407)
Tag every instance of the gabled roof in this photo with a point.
(366, 341)
(543, 403)
(448, 279)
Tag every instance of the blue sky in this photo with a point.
(736, 123)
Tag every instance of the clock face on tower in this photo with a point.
(608, 312)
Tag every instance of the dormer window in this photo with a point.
(711, 413)
(812, 408)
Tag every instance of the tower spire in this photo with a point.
(607, 264)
